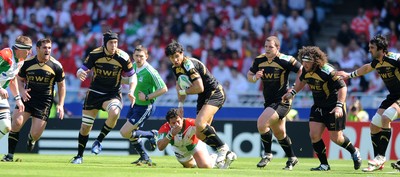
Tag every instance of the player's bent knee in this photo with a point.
(35, 135)
(125, 133)
(377, 120)
(390, 113)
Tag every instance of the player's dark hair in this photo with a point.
(140, 48)
(40, 42)
(173, 112)
(315, 54)
(173, 48)
(380, 42)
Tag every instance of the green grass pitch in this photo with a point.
(119, 166)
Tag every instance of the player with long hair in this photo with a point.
(328, 112)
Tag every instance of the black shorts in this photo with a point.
(214, 97)
(38, 109)
(282, 108)
(95, 100)
(390, 99)
(323, 115)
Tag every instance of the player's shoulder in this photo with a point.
(393, 56)
(96, 50)
(150, 68)
(55, 61)
(6, 52)
(261, 56)
(285, 57)
(190, 120)
(164, 128)
(188, 63)
(123, 54)
(327, 69)
(30, 58)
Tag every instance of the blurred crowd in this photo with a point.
(226, 35)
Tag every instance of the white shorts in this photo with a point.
(183, 155)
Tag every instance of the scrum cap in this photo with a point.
(109, 35)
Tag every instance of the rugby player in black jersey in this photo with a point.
(273, 68)
(329, 111)
(211, 97)
(387, 64)
(36, 80)
(109, 65)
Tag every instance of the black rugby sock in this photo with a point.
(13, 138)
(286, 144)
(375, 142)
(82, 143)
(104, 131)
(212, 138)
(266, 140)
(386, 133)
(348, 145)
(320, 149)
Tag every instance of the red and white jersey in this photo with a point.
(9, 66)
(185, 140)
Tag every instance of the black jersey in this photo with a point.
(388, 70)
(41, 77)
(196, 70)
(275, 78)
(324, 85)
(108, 69)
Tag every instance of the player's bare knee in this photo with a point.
(85, 129)
(280, 135)
(262, 128)
(200, 126)
(35, 135)
(335, 138)
(203, 165)
(315, 137)
(125, 134)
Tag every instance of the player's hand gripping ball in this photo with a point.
(184, 82)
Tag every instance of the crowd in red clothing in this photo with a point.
(228, 31)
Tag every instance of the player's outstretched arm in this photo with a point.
(365, 69)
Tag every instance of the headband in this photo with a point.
(23, 46)
(306, 58)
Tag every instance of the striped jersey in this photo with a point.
(9, 66)
(185, 140)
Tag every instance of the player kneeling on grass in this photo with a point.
(181, 134)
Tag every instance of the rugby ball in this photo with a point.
(184, 82)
